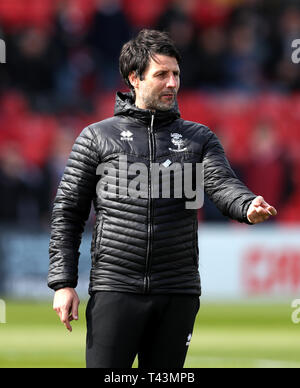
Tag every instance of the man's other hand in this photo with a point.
(260, 211)
(66, 304)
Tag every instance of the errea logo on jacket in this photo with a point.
(127, 135)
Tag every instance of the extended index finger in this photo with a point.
(65, 318)
(272, 211)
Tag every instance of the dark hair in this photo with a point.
(136, 54)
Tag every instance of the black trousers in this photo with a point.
(157, 328)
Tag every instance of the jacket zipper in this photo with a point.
(151, 148)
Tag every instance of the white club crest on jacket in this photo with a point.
(176, 139)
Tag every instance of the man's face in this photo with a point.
(159, 85)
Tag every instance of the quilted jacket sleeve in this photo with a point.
(221, 185)
(71, 210)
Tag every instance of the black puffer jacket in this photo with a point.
(146, 244)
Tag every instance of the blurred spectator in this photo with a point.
(211, 58)
(75, 72)
(243, 61)
(108, 32)
(282, 74)
(12, 184)
(24, 194)
(252, 12)
(269, 170)
(24, 140)
(32, 65)
(289, 29)
(177, 21)
(32, 62)
(176, 10)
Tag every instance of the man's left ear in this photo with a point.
(134, 79)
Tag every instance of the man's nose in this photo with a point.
(172, 83)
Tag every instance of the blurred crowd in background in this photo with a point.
(237, 77)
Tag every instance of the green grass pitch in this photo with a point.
(225, 335)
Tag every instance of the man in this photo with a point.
(144, 282)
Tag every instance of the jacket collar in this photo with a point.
(125, 106)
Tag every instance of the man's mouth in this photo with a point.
(168, 95)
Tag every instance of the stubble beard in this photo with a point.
(153, 102)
